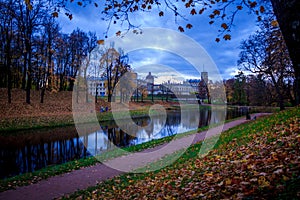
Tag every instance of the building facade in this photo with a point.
(98, 83)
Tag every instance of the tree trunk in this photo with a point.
(43, 94)
(288, 16)
(9, 82)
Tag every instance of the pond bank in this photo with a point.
(82, 183)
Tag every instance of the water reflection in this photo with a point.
(32, 150)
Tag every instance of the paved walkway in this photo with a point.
(57, 186)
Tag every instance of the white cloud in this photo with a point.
(214, 56)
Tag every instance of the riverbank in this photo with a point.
(56, 111)
(257, 160)
(104, 175)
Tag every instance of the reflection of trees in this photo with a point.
(33, 152)
(30, 157)
(205, 116)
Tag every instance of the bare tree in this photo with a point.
(265, 53)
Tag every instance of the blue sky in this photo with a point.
(224, 54)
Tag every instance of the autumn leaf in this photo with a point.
(118, 33)
(217, 39)
(189, 26)
(227, 37)
(216, 12)
(180, 29)
(211, 16)
(262, 9)
(193, 11)
(79, 3)
(161, 13)
(239, 7)
(100, 42)
(96, 5)
(259, 18)
(253, 4)
(55, 14)
(187, 5)
(224, 26)
(274, 23)
(201, 11)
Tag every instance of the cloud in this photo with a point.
(214, 56)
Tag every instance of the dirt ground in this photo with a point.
(57, 106)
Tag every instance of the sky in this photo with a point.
(162, 49)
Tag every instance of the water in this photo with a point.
(31, 150)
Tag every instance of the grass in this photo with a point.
(33, 177)
(12, 126)
(239, 136)
(50, 171)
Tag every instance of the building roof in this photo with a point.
(93, 78)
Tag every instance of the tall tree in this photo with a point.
(7, 38)
(115, 64)
(265, 53)
(288, 16)
(78, 48)
(239, 89)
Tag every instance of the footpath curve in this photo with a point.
(67, 183)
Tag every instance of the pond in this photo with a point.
(31, 150)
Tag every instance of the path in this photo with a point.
(57, 186)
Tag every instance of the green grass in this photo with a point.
(241, 135)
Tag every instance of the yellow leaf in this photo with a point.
(55, 14)
(228, 181)
(224, 25)
(274, 23)
(227, 37)
(208, 174)
(100, 42)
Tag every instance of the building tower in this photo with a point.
(149, 81)
(204, 76)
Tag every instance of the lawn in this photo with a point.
(258, 160)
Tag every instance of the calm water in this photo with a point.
(33, 150)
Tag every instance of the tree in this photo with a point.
(115, 64)
(288, 16)
(258, 91)
(7, 33)
(239, 88)
(265, 53)
(224, 11)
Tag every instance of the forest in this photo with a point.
(36, 55)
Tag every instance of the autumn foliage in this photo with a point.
(259, 160)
